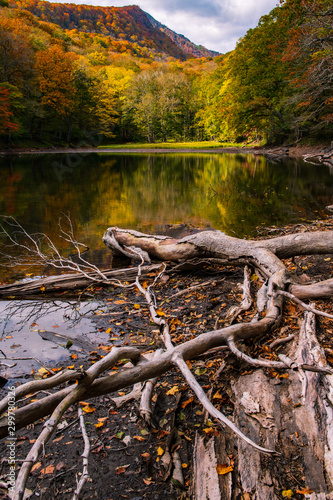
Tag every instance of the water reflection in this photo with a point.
(48, 332)
(233, 193)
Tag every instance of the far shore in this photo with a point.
(292, 151)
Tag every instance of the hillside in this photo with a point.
(120, 23)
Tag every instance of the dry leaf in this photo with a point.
(148, 481)
(304, 491)
(74, 356)
(109, 330)
(287, 493)
(36, 466)
(208, 430)
(159, 312)
(222, 469)
(137, 306)
(47, 470)
(122, 469)
(217, 395)
(100, 424)
(42, 371)
(187, 402)
(172, 391)
(160, 451)
(105, 347)
(139, 438)
(57, 439)
(88, 409)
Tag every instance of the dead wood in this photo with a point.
(263, 420)
(64, 282)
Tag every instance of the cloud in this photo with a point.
(216, 24)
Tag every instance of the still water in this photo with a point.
(233, 193)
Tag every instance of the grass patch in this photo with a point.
(175, 145)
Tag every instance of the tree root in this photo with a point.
(265, 257)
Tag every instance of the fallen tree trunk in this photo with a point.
(64, 282)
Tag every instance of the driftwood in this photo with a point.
(289, 415)
(58, 284)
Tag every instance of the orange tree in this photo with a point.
(56, 82)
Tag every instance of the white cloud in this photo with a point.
(216, 24)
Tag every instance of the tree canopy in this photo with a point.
(276, 85)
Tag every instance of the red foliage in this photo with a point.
(6, 125)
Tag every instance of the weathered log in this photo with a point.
(58, 284)
(219, 245)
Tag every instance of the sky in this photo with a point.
(215, 24)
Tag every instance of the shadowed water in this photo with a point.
(233, 193)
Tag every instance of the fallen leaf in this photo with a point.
(105, 347)
(217, 395)
(122, 469)
(36, 466)
(148, 481)
(118, 302)
(137, 306)
(100, 424)
(74, 356)
(47, 470)
(109, 330)
(160, 451)
(145, 456)
(208, 430)
(187, 402)
(287, 493)
(172, 391)
(222, 469)
(304, 491)
(88, 409)
(42, 371)
(139, 438)
(159, 312)
(57, 439)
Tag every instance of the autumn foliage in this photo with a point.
(70, 69)
(6, 115)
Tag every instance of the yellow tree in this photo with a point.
(114, 82)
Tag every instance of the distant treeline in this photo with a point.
(67, 86)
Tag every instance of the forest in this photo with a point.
(68, 71)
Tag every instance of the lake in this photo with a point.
(236, 193)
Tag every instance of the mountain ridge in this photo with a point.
(184, 43)
(129, 23)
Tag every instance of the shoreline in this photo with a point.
(292, 151)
